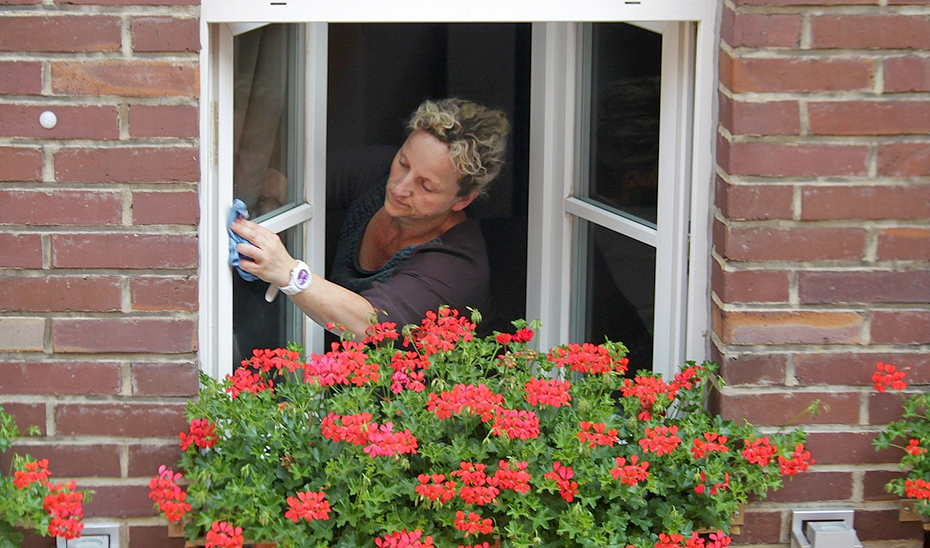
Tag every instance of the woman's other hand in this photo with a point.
(266, 257)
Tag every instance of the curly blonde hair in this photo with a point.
(476, 137)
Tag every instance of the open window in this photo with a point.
(588, 228)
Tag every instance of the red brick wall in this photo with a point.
(98, 241)
(821, 238)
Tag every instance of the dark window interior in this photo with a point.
(379, 73)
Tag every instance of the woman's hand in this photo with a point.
(267, 257)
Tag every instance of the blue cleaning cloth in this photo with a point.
(239, 209)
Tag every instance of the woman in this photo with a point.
(407, 245)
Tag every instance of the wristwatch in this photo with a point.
(301, 278)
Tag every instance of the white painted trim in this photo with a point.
(288, 219)
(316, 54)
(378, 11)
(702, 182)
(611, 221)
(550, 173)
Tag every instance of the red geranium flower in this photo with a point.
(473, 524)
(201, 434)
(309, 506)
(887, 376)
(630, 474)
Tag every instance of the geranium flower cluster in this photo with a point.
(478, 400)
(594, 434)
(522, 336)
(244, 380)
(759, 451)
(308, 505)
(64, 505)
(472, 523)
(379, 440)
(562, 476)
(595, 359)
(202, 434)
(277, 359)
(887, 376)
(660, 440)
(345, 364)
(917, 489)
(439, 332)
(632, 473)
(170, 498)
(799, 461)
(35, 472)
(712, 442)
(224, 535)
(404, 539)
(409, 370)
(552, 392)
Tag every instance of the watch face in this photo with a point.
(303, 276)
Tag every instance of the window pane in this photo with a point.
(260, 324)
(619, 288)
(266, 105)
(625, 64)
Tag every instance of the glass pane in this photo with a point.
(619, 291)
(260, 324)
(266, 106)
(625, 66)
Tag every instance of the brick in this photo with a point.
(869, 117)
(72, 461)
(855, 369)
(20, 164)
(870, 31)
(801, 74)
(124, 251)
(901, 327)
(144, 460)
(874, 482)
(906, 73)
(864, 287)
(165, 208)
(165, 34)
(88, 122)
(903, 244)
(26, 415)
(904, 159)
(127, 165)
(794, 244)
(163, 293)
(64, 33)
(760, 528)
(60, 207)
(131, 78)
(32, 540)
(22, 334)
(781, 408)
(60, 378)
(783, 160)
(848, 448)
(165, 379)
(163, 121)
(754, 369)
(20, 250)
(762, 118)
(153, 536)
(760, 30)
(778, 327)
(754, 202)
(814, 486)
(874, 525)
(865, 202)
(119, 501)
(20, 77)
(134, 420)
(749, 286)
(154, 335)
(884, 408)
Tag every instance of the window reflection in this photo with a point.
(624, 124)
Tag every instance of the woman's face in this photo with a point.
(423, 183)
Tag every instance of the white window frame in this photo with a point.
(686, 265)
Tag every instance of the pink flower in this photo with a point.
(404, 539)
(224, 535)
(562, 476)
